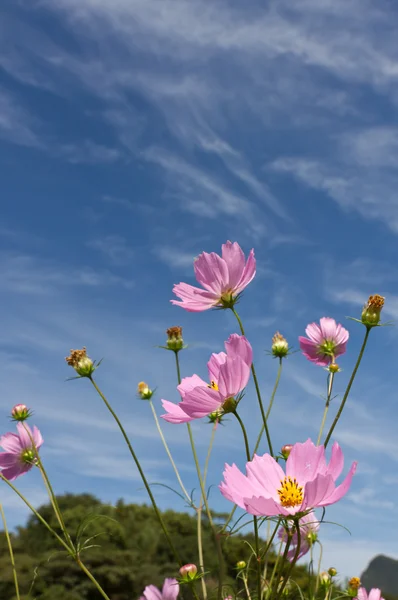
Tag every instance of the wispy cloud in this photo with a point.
(16, 124)
(114, 249)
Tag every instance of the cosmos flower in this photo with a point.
(170, 591)
(309, 482)
(309, 527)
(20, 455)
(325, 341)
(228, 375)
(222, 277)
(374, 594)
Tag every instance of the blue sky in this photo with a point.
(137, 133)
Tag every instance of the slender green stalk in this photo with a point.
(141, 472)
(274, 570)
(338, 415)
(246, 586)
(256, 385)
(330, 380)
(187, 496)
(9, 544)
(271, 402)
(92, 579)
(291, 566)
(268, 546)
(203, 492)
(255, 521)
(319, 567)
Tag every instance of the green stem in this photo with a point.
(14, 569)
(255, 522)
(325, 412)
(270, 585)
(203, 492)
(256, 385)
(295, 558)
(246, 586)
(92, 579)
(271, 402)
(337, 417)
(319, 567)
(169, 453)
(141, 472)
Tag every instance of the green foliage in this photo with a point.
(133, 553)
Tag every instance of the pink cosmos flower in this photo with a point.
(222, 277)
(326, 341)
(309, 482)
(228, 374)
(374, 594)
(169, 591)
(19, 455)
(309, 527)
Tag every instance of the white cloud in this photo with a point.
(114, 248)
(89, 152)
(16, 124)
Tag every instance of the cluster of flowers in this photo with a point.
(291, 494)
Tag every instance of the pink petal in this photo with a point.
(214, 364)
(25, 435)
(9, 459)
(151, 592)
(189, 383)
(16, 470)
(236, 484)
(336, 463)
(267, 474)
(340, 349)
(305, 462)
(362, 594)
(248, 273)
(343, 488)
(313, 331)
(238, 345)
(174, 413)
(234, 257)
(11, 442)
(170, 589)
(194, 299)
(374, 594)
(264, 507)
(304, 548)
(342, 334)
(328, 328)
(200, 402)
(316, 491)
(37, 437)
(211, 271)
(233, 377)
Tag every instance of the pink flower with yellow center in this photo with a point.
(325, 341)
(228, 375)
(20, 454)
(309, 527)
(309, 482)
(222, 277)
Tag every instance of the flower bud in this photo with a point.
(280, 347)
(286, 450)
(20, 412)
(333, 368)
(174, 338)
(144, 392)
(241, 564)
(332, 572)
(354, 583)
(82, 363)
(215, 416)
(324, 578)
(371, 311)
(188, 572)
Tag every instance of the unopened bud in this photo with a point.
(332, 572)
(82, 363)
(174, 338)
(286, 450)
(280, 347)
(371, 311)
(216, 416)
(188, 572)
(324, 578)
(241, 564)
(354, 583)
(20, 412)
(333, 368)
(144, 392)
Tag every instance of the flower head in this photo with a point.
(325, 341)
(222, 277)
(371, 311)
(188, 572)
(354, 583)
(241, 564)
(228, 375)
(174, 338)
(309, 482)
(169, 591)
(309, 527)
(280, 346)
(144, 391)
(20, 452)
(374, 594)
(286, 450)
(82, 363)
(20, 412)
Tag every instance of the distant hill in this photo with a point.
(382, 572)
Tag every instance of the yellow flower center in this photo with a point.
(213, 386)
(290, 493)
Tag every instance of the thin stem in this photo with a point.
(246, 586)
(141, 472)
(319, 567)
(256, 385)
(169, 453)
(255, 522)
(271, 402)
(92, 579)
(270, 585)
(295, 558)
(14, 569)
(325, 412)
(337, 417)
